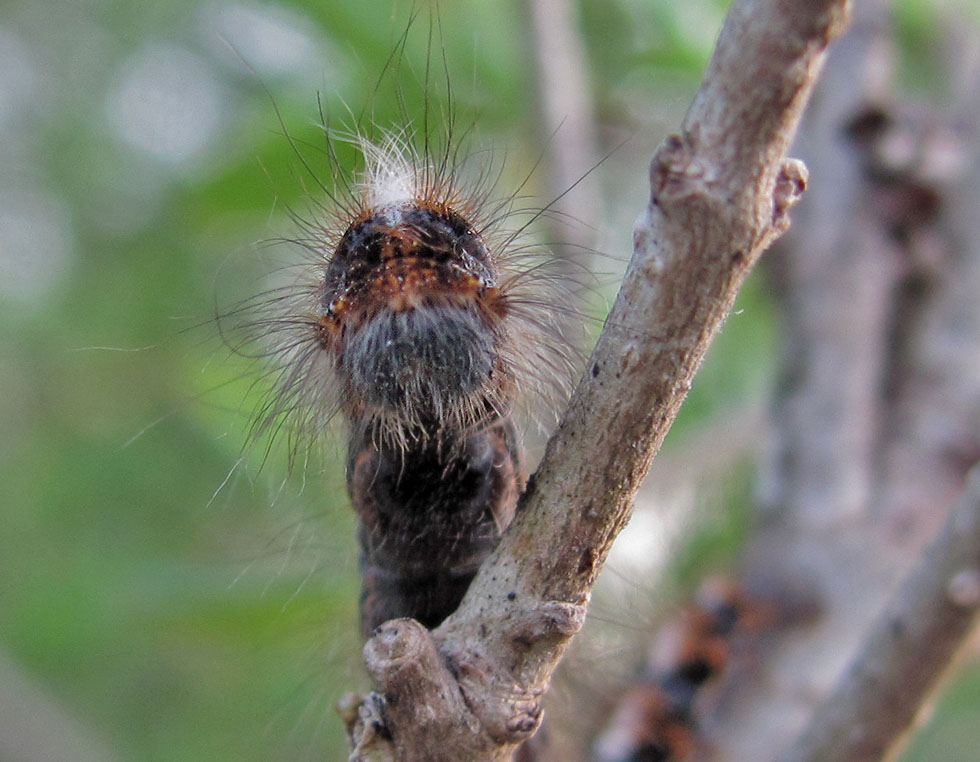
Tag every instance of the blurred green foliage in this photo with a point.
(178, 591)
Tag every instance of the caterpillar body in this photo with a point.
(425, 320)
(416, 321)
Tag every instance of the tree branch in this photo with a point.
(720, 192)
(908, 649)
(877, 409)
(835, 273)
(567, 117)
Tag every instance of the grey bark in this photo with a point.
(908, 650)
(877, 416)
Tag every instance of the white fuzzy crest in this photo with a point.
(391, 175)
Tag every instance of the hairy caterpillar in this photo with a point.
(424, 318)
(432, 333)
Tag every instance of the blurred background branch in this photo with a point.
(910, 646)
(34, 727)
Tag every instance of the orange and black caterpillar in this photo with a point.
(425, 320)
(416, 322)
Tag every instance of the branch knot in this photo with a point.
(790, 185)
(676, 170)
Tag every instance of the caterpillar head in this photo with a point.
(422, 314)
